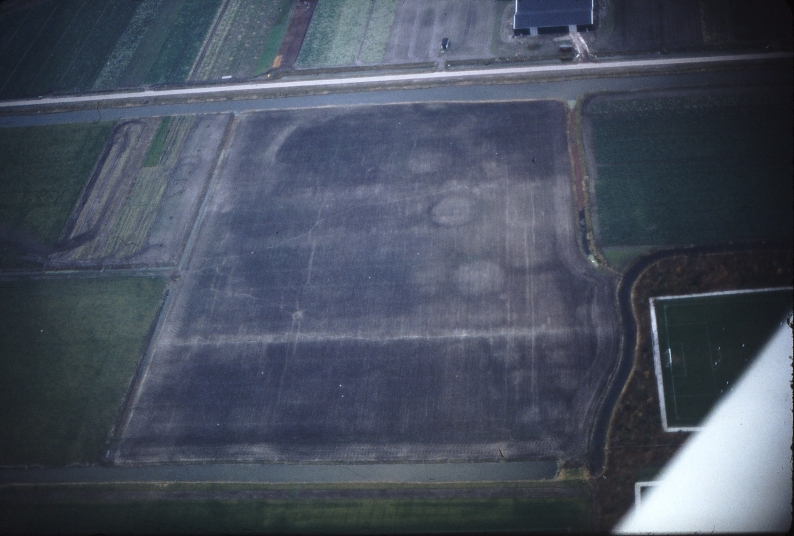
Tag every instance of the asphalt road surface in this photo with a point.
(383, 283)
(566, 89)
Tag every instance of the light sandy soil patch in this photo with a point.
(419, 27)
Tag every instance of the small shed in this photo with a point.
(552, 15)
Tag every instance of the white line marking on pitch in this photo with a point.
(657, 361)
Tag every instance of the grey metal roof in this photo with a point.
(550, 13)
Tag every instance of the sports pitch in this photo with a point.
(703, 343)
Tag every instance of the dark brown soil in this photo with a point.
(636, 444)
(653, 25)
(296, 32)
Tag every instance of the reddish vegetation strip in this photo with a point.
(296, 32)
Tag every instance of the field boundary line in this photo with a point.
(722, 293)
(382, 79)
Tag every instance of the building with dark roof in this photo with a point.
(552, 15)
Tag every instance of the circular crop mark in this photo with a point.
(453, 210)
(480, 277)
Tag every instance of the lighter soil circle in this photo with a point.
(479, 277)
(453, 210)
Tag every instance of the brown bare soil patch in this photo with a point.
(296, 32)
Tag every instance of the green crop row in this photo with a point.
(378, 31)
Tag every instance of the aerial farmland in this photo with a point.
(239, 291)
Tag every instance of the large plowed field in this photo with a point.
(382, 283)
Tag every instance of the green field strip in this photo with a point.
(109, 190)
(105, 23)
(155, 151)
(42, 172)
(274, 39)
(621, 257)
(153, 40)
(185, 34)
(69, 25)
(335, 33)
(246, 33)
(178, 130)
(68, 350)
(36, 44)
(378, 31)
(128, 43)
(304, 516)
(678, 171)
(135, 218)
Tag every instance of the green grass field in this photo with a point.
(705, 343)
(693, 169)
(183, 37)
(273, 43)
(155, 151)
(68, 351)
(153, 42)
(42, 171)
(58, 45)
(300, 516)
(339, 33)
(127, 45)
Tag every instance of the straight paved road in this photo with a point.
(625, 66)
(572, 89)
